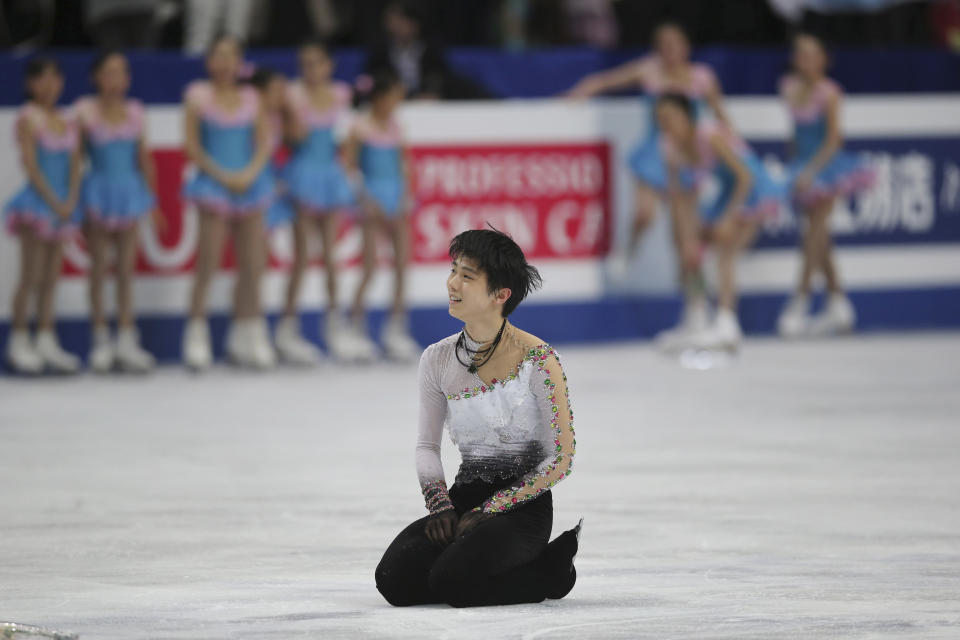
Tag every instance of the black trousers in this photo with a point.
(496, 562)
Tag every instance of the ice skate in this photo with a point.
(838, 317)
(794, 320)
(101, 356)
(21, 356)
(197, 354)
(55, 359)
(292, 347)
(397, 341)
(130, 355)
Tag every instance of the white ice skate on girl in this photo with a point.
(21, 356)
(292, 347)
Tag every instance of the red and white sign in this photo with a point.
(553, 199)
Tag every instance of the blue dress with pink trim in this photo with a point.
(381, 162)
(230, 141)
(281, 209)
(115, 193)
(766, 194)
(53, 154)
(315, 179)
(845, 173)
(646, 160)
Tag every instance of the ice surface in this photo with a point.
(810, 490)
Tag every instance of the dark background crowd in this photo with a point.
(513, 24)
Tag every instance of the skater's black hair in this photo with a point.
(102, 57)
(36, 68)
(679, 100)
(369, 88)
(263, 76)
(501, 259)
(315, 42)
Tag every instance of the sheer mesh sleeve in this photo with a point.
(433, 409)
(549, 385)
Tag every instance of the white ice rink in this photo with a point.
(810, 491)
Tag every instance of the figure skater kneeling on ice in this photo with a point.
(503, 396)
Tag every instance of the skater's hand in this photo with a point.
(441, 527)
(238, 181)
(470, 520)
(64, 210)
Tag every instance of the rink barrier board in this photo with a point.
(917, 223)
(610, 319)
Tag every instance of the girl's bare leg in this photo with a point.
(328, 236)
(31, 256)
(97, 247)
(126, 263)
(302, 225)
(52, 253)
(400, 236)
(212, 233)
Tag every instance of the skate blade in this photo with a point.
(699, 359)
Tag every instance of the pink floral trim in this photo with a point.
(200, 94)
(508, 498)
(436, 497)
(40, 224)
(65, 141)
(849, 184)
(376, 137)
(115, 224)
(90, 119)
(815, 105)
(228, 210)
(702, 79)
(297, 95)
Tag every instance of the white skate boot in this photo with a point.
(694, 320)
(21, 356)
(338, 337)
(364, 349)
(197, 354)
(130, 355)
(794, 320)
(837, 317)
(723, 335)
(292, 346)
(262, 355)
(397, 341)
(101, 354)
(55, 359)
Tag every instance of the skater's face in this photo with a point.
(672, 45)
(273, 93)
(809, 58)
(46, 87)
(468, 292)
(316, 67)
(112, 77)
(223, 61)
(674, 121)
(385, 103)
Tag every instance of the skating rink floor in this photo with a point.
(811, 490)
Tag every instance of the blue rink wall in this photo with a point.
(898, 245)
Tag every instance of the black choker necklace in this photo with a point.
(477, 357)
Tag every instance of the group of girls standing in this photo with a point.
(234, 127)
(684, 147)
